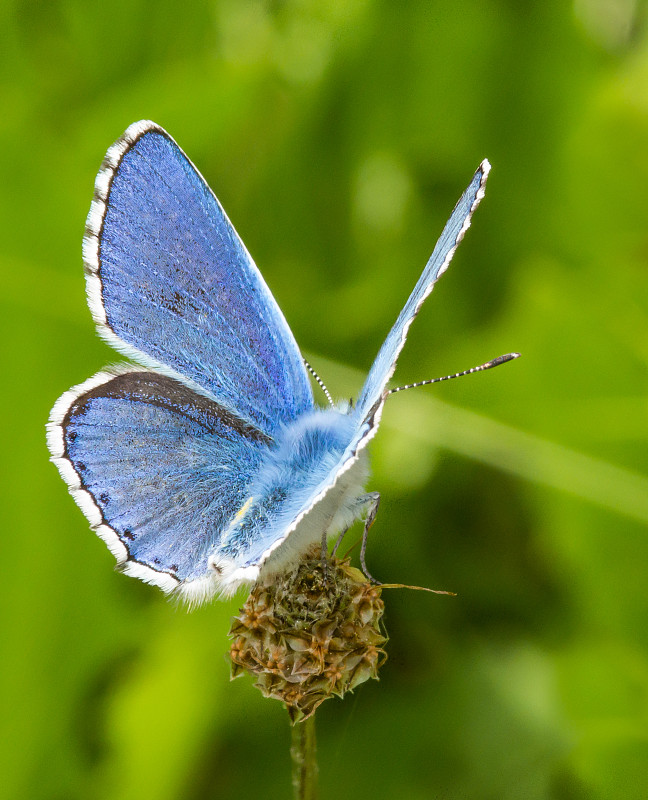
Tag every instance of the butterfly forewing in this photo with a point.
(172, 285)
(459, 222)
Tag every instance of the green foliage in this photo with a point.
(338, 135)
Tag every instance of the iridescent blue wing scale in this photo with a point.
(171, 285)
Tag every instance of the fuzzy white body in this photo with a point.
(334, 513)
(328, 498)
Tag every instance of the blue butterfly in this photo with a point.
(208, 466)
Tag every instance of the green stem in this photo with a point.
(304, 760)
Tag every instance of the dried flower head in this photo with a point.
(311, 634)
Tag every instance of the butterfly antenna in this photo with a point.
(488, 365)
(319, 381)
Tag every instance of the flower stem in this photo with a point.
(304, 760)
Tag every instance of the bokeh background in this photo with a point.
(338, 136)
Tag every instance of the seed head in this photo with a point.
(310, 635)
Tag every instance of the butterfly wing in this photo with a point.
(333, 494)
(372, 394)
(158, 469)
(171, 285)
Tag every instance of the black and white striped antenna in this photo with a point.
(320, 382)
(488, 365)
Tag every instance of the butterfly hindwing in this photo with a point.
(158, 469)
(171, 284)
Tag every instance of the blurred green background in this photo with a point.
(338, 136)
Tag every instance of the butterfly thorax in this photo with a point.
(308, 487)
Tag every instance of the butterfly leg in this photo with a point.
(338, 542)
(372, 501)
(324, 556)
